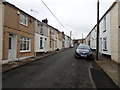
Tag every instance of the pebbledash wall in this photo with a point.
(18, 36)
(114, 18)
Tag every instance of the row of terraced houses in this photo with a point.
(109, 36)
(23, 36)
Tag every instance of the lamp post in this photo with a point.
(97, 52)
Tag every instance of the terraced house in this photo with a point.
(18, 33)
(23, 36)
(67, 41)
(41, 37)
(53, 38)
(109, 41)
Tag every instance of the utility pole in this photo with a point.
(97, 52)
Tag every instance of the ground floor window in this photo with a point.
(50, 44)
(10, 41)
(41, 43)
(25, 44)
(105, 44)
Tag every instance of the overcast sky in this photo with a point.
(78, 16)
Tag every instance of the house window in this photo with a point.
(25, 44)
(41, 30)
(50, 44)
(41, 43)
(23, 20)
(104, 30)
(104, 44)
(9, 42)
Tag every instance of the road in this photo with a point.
(60, 70)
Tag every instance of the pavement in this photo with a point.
(15, 64)
(111, 68)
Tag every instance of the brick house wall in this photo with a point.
(119, 32)
(1, 30)
(12, 26)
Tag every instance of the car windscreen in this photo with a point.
(84, 47)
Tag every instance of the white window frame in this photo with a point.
(25, 40)
(105, 24)
(23, 19)
(41, 43)
(105, 45)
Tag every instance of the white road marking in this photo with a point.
(90, 76)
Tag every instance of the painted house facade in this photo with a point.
(109, 32)
(67, 41)
(18, 36)
(109, 36)
(87, 39)
(63, 40)
(93, 37)
(41, 37)
(104, 41)
(52, 40)
(60, 40)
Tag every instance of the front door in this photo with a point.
(100, 46)
(12, 47)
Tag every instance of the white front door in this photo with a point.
(100, 46)
(12, 47)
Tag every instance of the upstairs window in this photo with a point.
(104, 30)
(23, 19)
(41, 30)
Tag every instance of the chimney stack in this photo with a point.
(45, 21)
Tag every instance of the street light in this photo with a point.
(97, 52)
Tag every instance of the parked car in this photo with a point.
(83, 51)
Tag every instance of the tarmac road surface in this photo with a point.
(60, 70)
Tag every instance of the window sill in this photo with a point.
(104, 49)
(26, 51)
(24, 25)
(104, 31)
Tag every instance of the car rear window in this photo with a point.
(83, 47)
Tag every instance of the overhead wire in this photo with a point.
(53, 14)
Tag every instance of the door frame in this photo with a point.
(12, 47)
